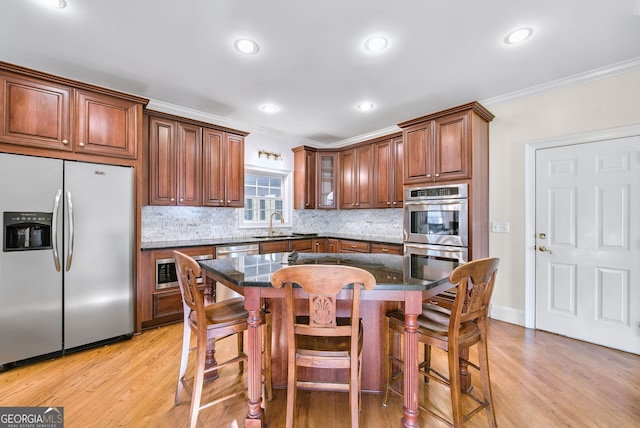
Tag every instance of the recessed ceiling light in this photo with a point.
(247, 46)
(519, 35)
(376, 44)
(365, 106)
(60, 4)
(269, 108)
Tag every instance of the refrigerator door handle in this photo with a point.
(71, 234)
(54, 229)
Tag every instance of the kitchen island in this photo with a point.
(398, 285)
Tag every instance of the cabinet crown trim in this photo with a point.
(474, 106)
(27, 72)
(159, 114)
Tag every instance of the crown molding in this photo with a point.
(578, 79)
(364, 137)
(568, 82)
(187, 112)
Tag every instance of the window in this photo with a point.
(264, 194)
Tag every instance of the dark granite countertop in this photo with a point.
(391, 271)
(162, 245)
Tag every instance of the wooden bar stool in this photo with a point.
(317, 337)
(212, 322)
(453, 330)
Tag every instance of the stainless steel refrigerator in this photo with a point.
(66, 267)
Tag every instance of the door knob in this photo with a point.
(542, 235)
(543, 249)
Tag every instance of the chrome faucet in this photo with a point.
(271, 221)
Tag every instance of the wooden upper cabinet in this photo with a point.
(452, 147)
(398, 179)
(213, 168)
(309, 183)
(35, 113)
(327, 178)
(106, 125)
(162, 162)
(223, 169)
(440, 147)
(189, 164)
(315, 178)
(388, 176)
(40, 111)
(175, 163)
(234, 171)
(356, 172)
(304, 178)
(418, 141)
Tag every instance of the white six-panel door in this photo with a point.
(588, 242)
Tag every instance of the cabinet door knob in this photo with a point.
(437, 175)
(228, 202)
(65, 142)
(173, 199)
(181, 199)
(428, 175)
(389, 202)
(81, 144)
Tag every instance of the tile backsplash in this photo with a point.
(198, 223)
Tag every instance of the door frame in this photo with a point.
(530, 201)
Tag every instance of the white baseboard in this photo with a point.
(506, 314)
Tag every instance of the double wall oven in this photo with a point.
(436, 230)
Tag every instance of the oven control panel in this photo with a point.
(438, 192)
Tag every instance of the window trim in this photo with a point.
(287, 199)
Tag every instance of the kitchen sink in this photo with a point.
(289, 235)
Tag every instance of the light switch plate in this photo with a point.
(500, 227)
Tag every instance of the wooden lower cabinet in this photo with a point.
(379, 248)
(159, 306)
(320, 245)
(300, 245)
(169, 303)
(348, 246)
(274, 247)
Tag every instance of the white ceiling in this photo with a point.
(311, 63)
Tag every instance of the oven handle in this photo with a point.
(435, 202)
(437, 251)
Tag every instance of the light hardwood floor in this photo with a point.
(539, 380)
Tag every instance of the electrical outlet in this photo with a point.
(499, 227)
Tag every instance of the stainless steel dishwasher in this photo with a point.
(232, 251)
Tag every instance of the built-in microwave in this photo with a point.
(437, 215)
(166, 275)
